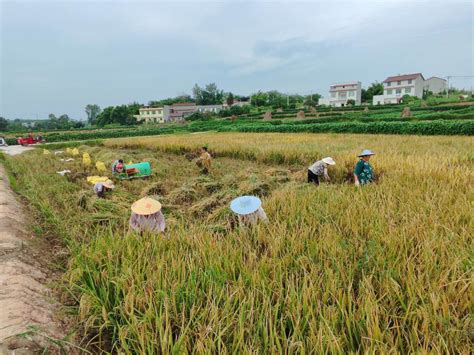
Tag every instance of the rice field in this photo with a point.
(384, 268)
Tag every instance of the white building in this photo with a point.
(150, 115)
(339, 94)
(435, 85)
(395, 87)
(209, 108)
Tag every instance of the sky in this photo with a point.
(59, 56)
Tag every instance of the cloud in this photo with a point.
(59, 56)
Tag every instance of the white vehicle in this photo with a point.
(3, 142)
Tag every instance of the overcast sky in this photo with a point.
(59, 56)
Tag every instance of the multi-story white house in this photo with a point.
(339, 94)
(395, 87)
(150, 115)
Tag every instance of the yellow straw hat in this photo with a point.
(146, 206)
(109, 184)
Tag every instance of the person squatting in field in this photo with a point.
(100, 188)
(147, 216)
(204, 161)
(320, 169)
(249, 210)
(363, 171)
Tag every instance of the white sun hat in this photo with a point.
(329, 161)
(366, 152)
(245, 204)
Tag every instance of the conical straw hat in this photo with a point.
(146, 206)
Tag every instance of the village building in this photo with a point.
(341, 94)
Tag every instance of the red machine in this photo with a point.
(30, 140)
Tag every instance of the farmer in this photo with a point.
(320, 169)
(204, 161)
(100, 188)
(249, 209)
(147, 217)
(118, 167)
(363, 172)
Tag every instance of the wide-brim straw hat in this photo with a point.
(146, 206)
(109, 184)
(366, 152)
(329, 161)
(245, 204)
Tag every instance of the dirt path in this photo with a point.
(25, 301)
(14, 149)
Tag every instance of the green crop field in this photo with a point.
(386, 268)
(433, 120)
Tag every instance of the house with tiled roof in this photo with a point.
(395, 87)
(178, 112)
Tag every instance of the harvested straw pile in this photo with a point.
(278, 175)
(257, 188)
(190, 156)
(205, 206)
(183, 195)
(76, 176)
(267, 116)
(406, 112)
(156, 188)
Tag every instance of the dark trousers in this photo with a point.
(312, 177)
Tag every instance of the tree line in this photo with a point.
(210, 94)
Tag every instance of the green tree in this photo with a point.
(3, 124)
(259, 99)
(374, 89)
(92, 111)
(230, 99)
(210, 95)
(312, 100)
(171, 100)
(105, 117)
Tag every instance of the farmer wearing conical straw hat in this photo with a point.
(100, 188)
(319, 169)
(147, 216)
(363, 172)
(249, 209)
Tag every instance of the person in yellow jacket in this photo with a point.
(205, 161)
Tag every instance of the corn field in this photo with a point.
(383, 268)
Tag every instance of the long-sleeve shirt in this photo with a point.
(99, 189)
(252, 218)
(364, 172)
(151, 223)
(205, 160)
(320, 168)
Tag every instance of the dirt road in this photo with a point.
(25, 301)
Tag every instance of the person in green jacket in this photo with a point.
(363, 172)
